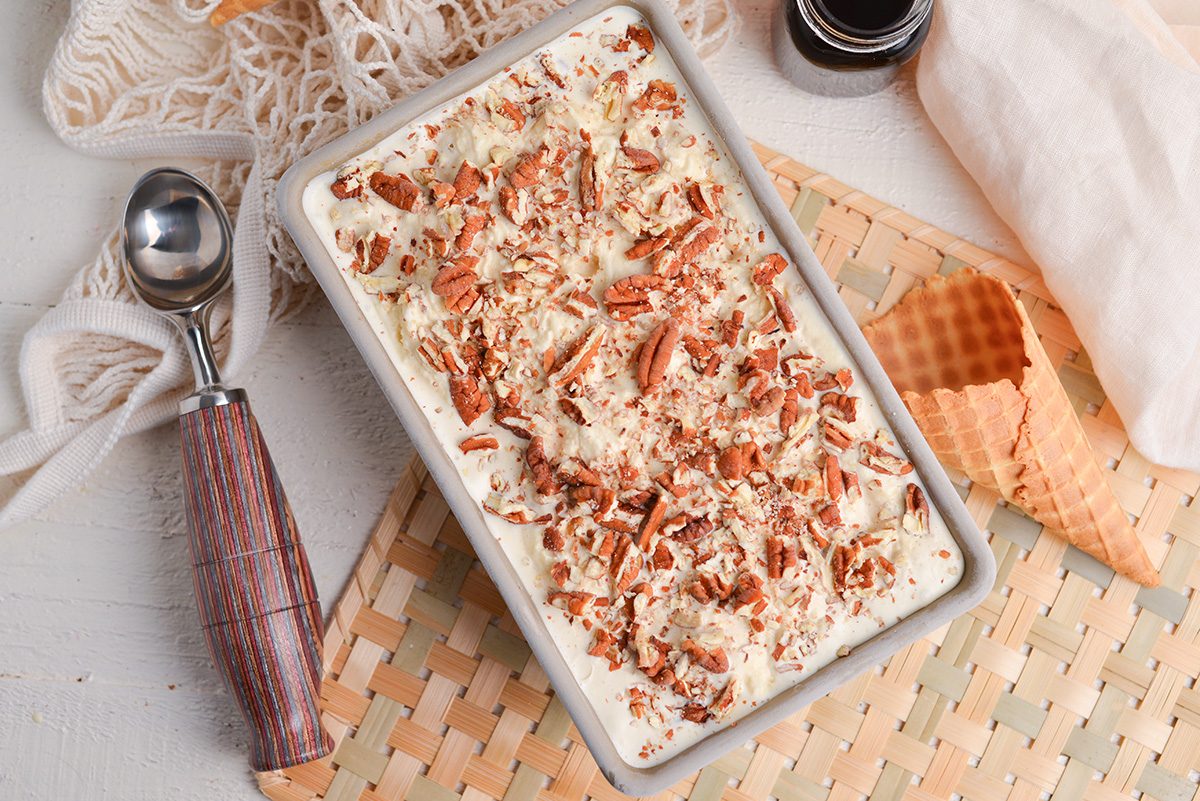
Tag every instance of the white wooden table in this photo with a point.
(105, 685)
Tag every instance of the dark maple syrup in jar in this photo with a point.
(847, 48)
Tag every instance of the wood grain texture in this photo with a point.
(254, 588)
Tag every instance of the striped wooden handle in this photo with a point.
(254, 588)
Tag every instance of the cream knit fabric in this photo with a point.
(148, 78)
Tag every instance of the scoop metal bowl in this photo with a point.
(254, 588)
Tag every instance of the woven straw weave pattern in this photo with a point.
(1068, 682)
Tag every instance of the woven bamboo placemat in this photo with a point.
(1068, 682)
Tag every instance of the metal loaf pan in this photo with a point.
(979, 567)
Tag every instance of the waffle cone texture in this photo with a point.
(968, 365)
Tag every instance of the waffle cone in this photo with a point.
(970, 368)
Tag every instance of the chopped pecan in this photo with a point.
(769, 402)
(646, 247)
(656, 354)
(529, 169)
(509, 109)
(547, 62)
(830, 515)
(398, 190)
(478, 443)
(578, 355)
(695, 196)
(766, 270)
(512, 419)
(840, 562)
(379, 251)
(916, 505)
(642, 36)
(514, 204)
(731, 463)
(443, 194)
(467, 181)
(455, 277)
(552, 539)
(834, 483)
(653, 520)
(804, 386)
(591, 189)
(781, 554)
(600, 498)
(659, 95)
(670, 262)
(407, 264)
(783, 309)
(626, 563)
(600, 645)
(844, 378)
(638, 160)
(732, 328)
(825, 381)
(435, 244)
(577, 474)
(342, 191)
(472, 225)
(835, 436)
(844, 406)
(543, 471)
(881, 461)
(749, 590)
(695, 713)
(790, 412)
(575, 602)
(694, 529)
(630, 296)
(714, 661)
(663, 559)
(468, 400)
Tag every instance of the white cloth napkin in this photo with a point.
(1080, 119)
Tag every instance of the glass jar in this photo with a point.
(847, 48)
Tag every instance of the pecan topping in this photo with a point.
(626, 563)
(576, 602)
(844, 406)
(663, 559)
(467, 181)
(479, 443)
(341, 189)
(468, 400)
(840, 563)
(552, 540)
(695, 713)
(511, 419)
(642, 36)
(638, 160)
(781, 555)
(630, 296)
(769, 402)
(576, 358)
(881, 461)
(379, 251)
(730, 463)
(695, 197)
(653, 521)
(646, 247)
(804, 386)
(397, 190)
(670, 262)
(591, 190)
(514, 205)
(694, 530)
(443, 194)
(835, 436)
(656, 354)
(787, 316)
(713, 661)
(767, 269)
(659, 95)
(601, 498)
(529, 170)
(543, 472)
(834, 483)
(454, 281)
(509, 109)
(916, 505)
(471, 227)
(790, 412)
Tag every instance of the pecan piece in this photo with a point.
(840, 563)
(844, 406)
(342, 191)
(769, 402)
(670, 262)
(591, 189)
(834, 483)
(379, 251)
(600, 498)
(468, 400)
(576, 358)
(638, 160)
(663, 559)
(543, 471)
(601, 643)
(646, 247)
(509, 109)
(781, 554)
(479, 443)
(626, 563)
(653, 520)
(881, 461)
(916, 505)
(630, 296)
(767, 269)
(529, 170)
(575, 602)
(835, 436)
(693, 530)
(695, 713)
(641, 36)
(511, 419)
(730, 463)
(443, 194)
(398, 190)
(659, 95)
(790, 412)
(472, 225)
(455, 277)
(783, 310)
(656, 354)
(467, 180)
(714, 661)
(695, 196)
(514, 204)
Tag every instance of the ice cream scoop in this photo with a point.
(257, 599)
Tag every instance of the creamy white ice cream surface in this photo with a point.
(578, 290)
